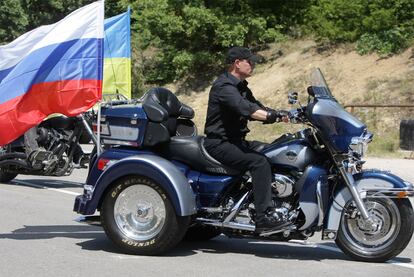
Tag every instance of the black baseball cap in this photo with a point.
(240, 53)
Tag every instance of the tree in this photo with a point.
(13, 20)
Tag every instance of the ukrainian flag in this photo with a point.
(117, 55)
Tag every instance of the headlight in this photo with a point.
(359, 145)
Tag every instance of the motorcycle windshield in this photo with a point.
(336, 125)
(319, 85)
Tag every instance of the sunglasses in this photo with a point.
(252, 63)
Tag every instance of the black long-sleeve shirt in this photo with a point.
(230, 105)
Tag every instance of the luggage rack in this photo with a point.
(114, 99)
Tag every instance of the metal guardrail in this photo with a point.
(406, 137)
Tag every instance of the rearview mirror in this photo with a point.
(292, 97)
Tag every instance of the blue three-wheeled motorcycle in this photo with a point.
(154, 183)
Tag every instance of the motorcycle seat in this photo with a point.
(190, 150)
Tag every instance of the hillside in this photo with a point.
(352, 78)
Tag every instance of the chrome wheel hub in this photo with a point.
(377, 234)
(140, 212)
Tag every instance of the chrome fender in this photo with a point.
(372, 183)
(165, 173)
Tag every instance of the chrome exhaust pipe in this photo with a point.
(231, 225)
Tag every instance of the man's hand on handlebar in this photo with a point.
(276, 116)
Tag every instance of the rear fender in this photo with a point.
(162, 171)
(372, 183)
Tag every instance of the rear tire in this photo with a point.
(138, 217)
(396, 225)
(6, 177)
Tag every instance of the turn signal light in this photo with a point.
(402, 194)
(102, 163)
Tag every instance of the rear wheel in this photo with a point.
(389, 236)
(6, 176)
(137, 216)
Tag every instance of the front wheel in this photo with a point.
(137, 216)
(392, 230)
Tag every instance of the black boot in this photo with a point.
(272, 220)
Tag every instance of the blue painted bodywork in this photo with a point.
(291, 154)
(336, 125)
(129, 115)
(382, 175)
(310, 178)
(206, 188)
(124, 165)
(307, 186)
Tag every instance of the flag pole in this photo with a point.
(98, 131)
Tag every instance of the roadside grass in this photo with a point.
(386, 145)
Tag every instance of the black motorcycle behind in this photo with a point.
(50, 149)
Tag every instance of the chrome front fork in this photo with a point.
(350, 183)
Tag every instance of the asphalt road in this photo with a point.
(39, 237)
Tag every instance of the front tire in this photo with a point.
(394, 218)
(138, 217)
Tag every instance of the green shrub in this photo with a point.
(384, 43)
(382, 26)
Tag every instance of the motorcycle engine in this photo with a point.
(282, 185)
(43, 136)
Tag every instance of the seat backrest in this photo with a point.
(160, 103)
(163, 109)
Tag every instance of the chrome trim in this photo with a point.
(320, 203)
(388, 193)
(89, 130)
(359, 144)
(88, 191)
(140, 212)
(232, 225)
(236, 208)
(289, 229)
(329, 234)
(227, 222)
(99, 148)
(212, 210)
(350, 183)
(122, 133)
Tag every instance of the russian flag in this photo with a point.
(55, 68)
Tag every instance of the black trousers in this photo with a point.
(240, 155)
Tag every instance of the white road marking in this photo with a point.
(54, 233)
(122, 257)
(407, 265)
(47, 188)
